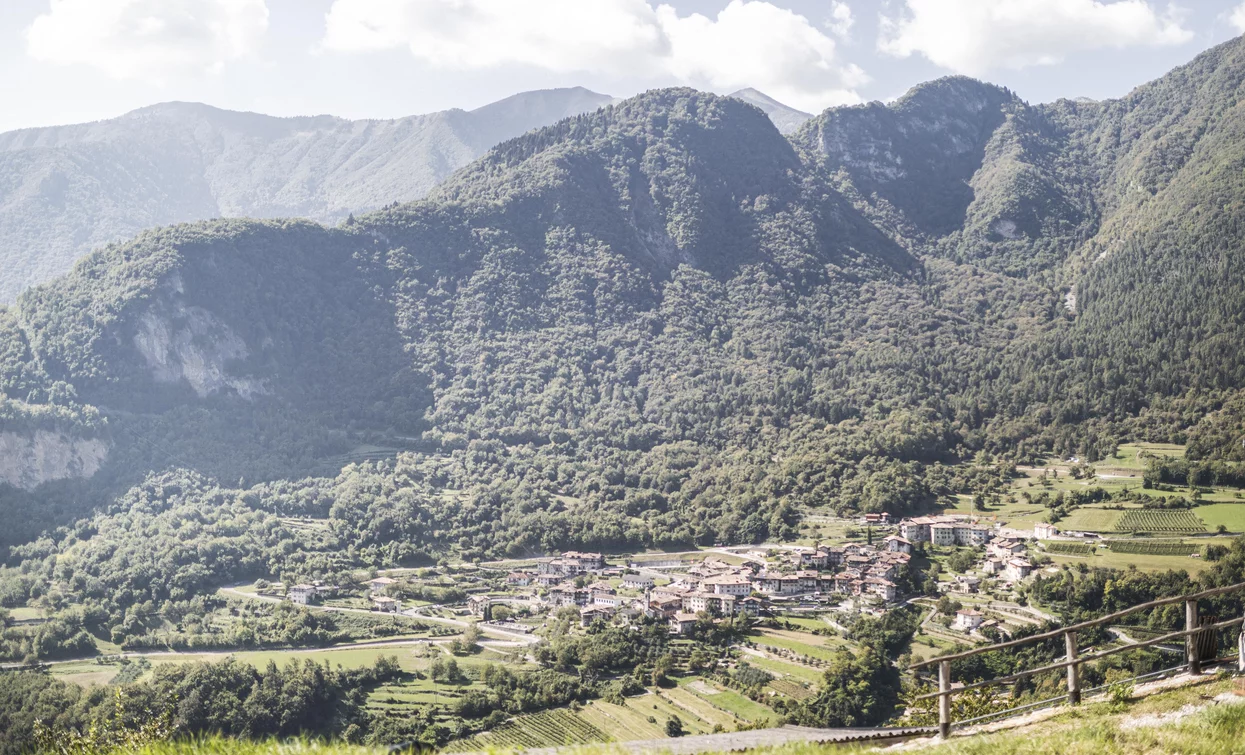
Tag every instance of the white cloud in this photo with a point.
(977, 36)
(153, 40)
(841, 19)
(749, 43)
(1237, 18)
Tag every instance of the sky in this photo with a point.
(70, 61)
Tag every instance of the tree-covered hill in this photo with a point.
(664, 322)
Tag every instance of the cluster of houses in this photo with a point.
(944, 530)
(308, 593)
(1005, 558)
(716, 587)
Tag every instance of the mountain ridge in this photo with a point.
(73, 188)
(670, 275)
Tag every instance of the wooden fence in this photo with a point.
(1195, 634)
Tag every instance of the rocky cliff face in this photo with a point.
(180, 342)
(29, 460)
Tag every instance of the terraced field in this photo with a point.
(786, 668)
(702, 709)
(550, 728)
(729, 701)
(790, 689)
(631, 720)
(800, 643)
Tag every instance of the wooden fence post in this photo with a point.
(944, 699)
(1190, 640)
(1074, 673)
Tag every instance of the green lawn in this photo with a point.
(1230, 515)
(1091, 519)
(24, 613)
(1106, 559)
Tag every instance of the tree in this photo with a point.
(858, 690)
(674, 727)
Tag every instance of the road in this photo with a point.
(235, 651)
(510, 638)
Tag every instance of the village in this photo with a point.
(884, 571)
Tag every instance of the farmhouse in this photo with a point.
(385, 604)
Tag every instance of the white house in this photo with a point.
(302, 594)
(967, 619)
(637, 582)
(1018, 568)
(728, 584)
(1044, 531)
(896, 544)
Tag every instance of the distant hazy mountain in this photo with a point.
(68, 189)
(787, 119)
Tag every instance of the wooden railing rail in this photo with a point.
(1111, 617)
(1072, 662)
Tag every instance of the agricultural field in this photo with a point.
(1230, 515)
(1160, 521)
(642, 717)
(1069, 549)
(1091, 519)
(729, 701)
(1153, 548)
(550, 728)
(783, 668)
(791, 689)
(800, 643)
(1106, 559)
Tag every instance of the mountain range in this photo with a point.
(70, 189)
(664, 322)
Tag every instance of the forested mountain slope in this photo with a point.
(66, 190)
(665, 323)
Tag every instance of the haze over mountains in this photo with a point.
(663, 322)
(69, 189)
